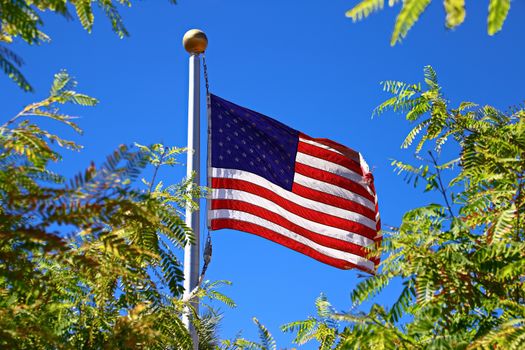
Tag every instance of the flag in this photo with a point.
(312, 195)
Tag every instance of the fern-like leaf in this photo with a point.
(407, 17)
(498, 11)
(455, 10)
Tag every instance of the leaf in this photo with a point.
(267, 340)
(8, 64)
(85, 13)
(114, 16)
(61, 81)
(364, 8)
(498, 11)
(407, 17)
(455, 10)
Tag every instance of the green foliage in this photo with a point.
(89, 263)
(22, 19)
(323, 328)
(411, 10)
(498, 11)
(461, 262)
(455, 10)
(266, 340)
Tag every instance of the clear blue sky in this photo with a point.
(301, 62)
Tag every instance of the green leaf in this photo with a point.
(407, 17)
(8, 64)
(267, 340)
(455, 10)
(498, 11)
(364, 8)
(85, 13)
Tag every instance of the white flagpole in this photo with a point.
(195, 42)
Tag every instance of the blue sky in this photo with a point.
(301, 62)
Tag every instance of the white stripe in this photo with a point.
(320, 145)
(304, 202)
(333, 253)
(309, 225)
(364, 164)
(330, 167)
(333, 190)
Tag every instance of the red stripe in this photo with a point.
(217, 224)
(333, 179)
(304, 212)
(350, 153)
(330, 156)
(290, 226)
(335, 201)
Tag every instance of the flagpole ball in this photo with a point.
(195, 41)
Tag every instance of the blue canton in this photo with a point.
(246, 140)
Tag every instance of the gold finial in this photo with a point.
(195, 41)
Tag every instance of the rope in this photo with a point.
(206, 81)
(207, 248)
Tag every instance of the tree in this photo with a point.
(266, 340)
(323, 328)
(22, 19)
(461, 261)
(89, 263)
(411, 10)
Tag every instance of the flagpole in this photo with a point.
(195, 43)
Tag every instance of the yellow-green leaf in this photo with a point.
(364, 8)
(498, 11)
(407, 17)
(455, 10)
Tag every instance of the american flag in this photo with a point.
(312, 195)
